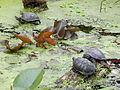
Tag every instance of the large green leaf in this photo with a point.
(109, 88)
(28, 79)
(42, 89)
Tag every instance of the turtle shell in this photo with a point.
(94, 53)
(83, 66)
(28, 16)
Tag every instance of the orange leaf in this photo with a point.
(44, 34)
(39, 40)
(50, 41)
(17, 47)
(7, 44)
(24, 38)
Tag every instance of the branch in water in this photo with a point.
(101, 5)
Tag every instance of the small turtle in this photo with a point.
(83, 66)
(29, 17)
(95, 55)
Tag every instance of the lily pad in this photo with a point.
(28, 79)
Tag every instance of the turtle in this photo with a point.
(83, 66)
(28, 17)
(96, 56)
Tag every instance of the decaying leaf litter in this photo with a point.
(57, 61)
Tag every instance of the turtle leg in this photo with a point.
(19, 19)
(36, 22)
(105, 64)
(86, 56)
(85, 77)
(93, 61)
(117, 65)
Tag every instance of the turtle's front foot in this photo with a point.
(37, 22)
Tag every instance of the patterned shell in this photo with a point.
(28, 16)
(83, 66)
(94, 53)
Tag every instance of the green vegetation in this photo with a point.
(54, 60)
(28, 79)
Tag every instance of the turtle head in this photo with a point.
(86, 56)
(74, 58)
(18, 18)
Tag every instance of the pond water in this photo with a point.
(56, 61)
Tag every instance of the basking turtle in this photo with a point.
(29, 17)
(83, 66)
(95, 56)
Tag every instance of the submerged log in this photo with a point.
(35, 3)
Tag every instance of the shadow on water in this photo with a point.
(19, 52)
(109, 34)
(6, 29)
(88, 29)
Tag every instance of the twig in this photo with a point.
(116, 1)
(101, 5)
